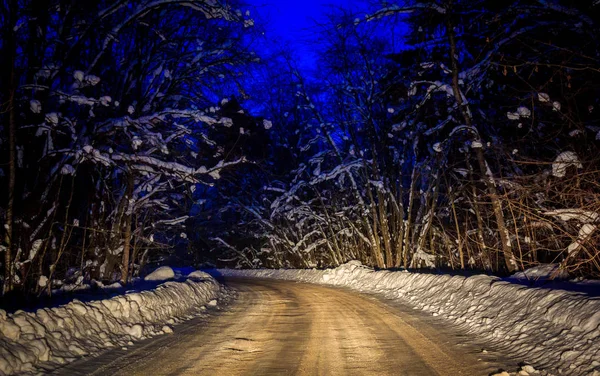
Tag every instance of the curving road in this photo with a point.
(288, 328)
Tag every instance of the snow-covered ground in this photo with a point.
(554, 330)
(53, 336)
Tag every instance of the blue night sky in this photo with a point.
(291, 22)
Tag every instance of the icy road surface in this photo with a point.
(289, 328)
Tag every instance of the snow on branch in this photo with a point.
(174, 169)
(314, 245)
(340, 169)
(580, 215)
(88, 153)
(162, 116)
(210, 8)
(304, 239)
(172, 222)
(259, 217)
(422, 258)
(287, 196)
(440, 126)
(585, 232)
(171, 168)
(589, 222)
(395, 9)
(214, 172)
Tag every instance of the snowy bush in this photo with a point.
(115, 119)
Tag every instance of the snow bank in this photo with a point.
(552, 329)
(60, 335)
(542, 272)
(199, 275)
(161, 274)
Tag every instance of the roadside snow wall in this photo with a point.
(53, 336)
(552, 329)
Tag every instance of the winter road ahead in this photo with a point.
(288, 328)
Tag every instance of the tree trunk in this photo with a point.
(377, 254)
(12, 128)
(509, 258)
(458, 235)
(448, 249)
(399, 225)
(407, 230)
(427, 225)
(336, 252)
(385, 230)
(487, 263)
(127, 231)
(382, 214)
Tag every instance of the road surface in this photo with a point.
(288, 328)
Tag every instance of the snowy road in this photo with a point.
(288, 328)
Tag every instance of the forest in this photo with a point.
(135, 133)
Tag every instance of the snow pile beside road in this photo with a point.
(199, 276)
(542, 272)
(161, 274)
(555, 330)
(53, 336)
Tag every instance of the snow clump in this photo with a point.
(522, 112)
(92, 80)
(227, 122)
(105, 100)
(543, 97)
(78, 75)
(565, 160)
(52, 118)
(43, 281)
(476, 145)
(35, 106)
(556, 106)
(67, 169)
